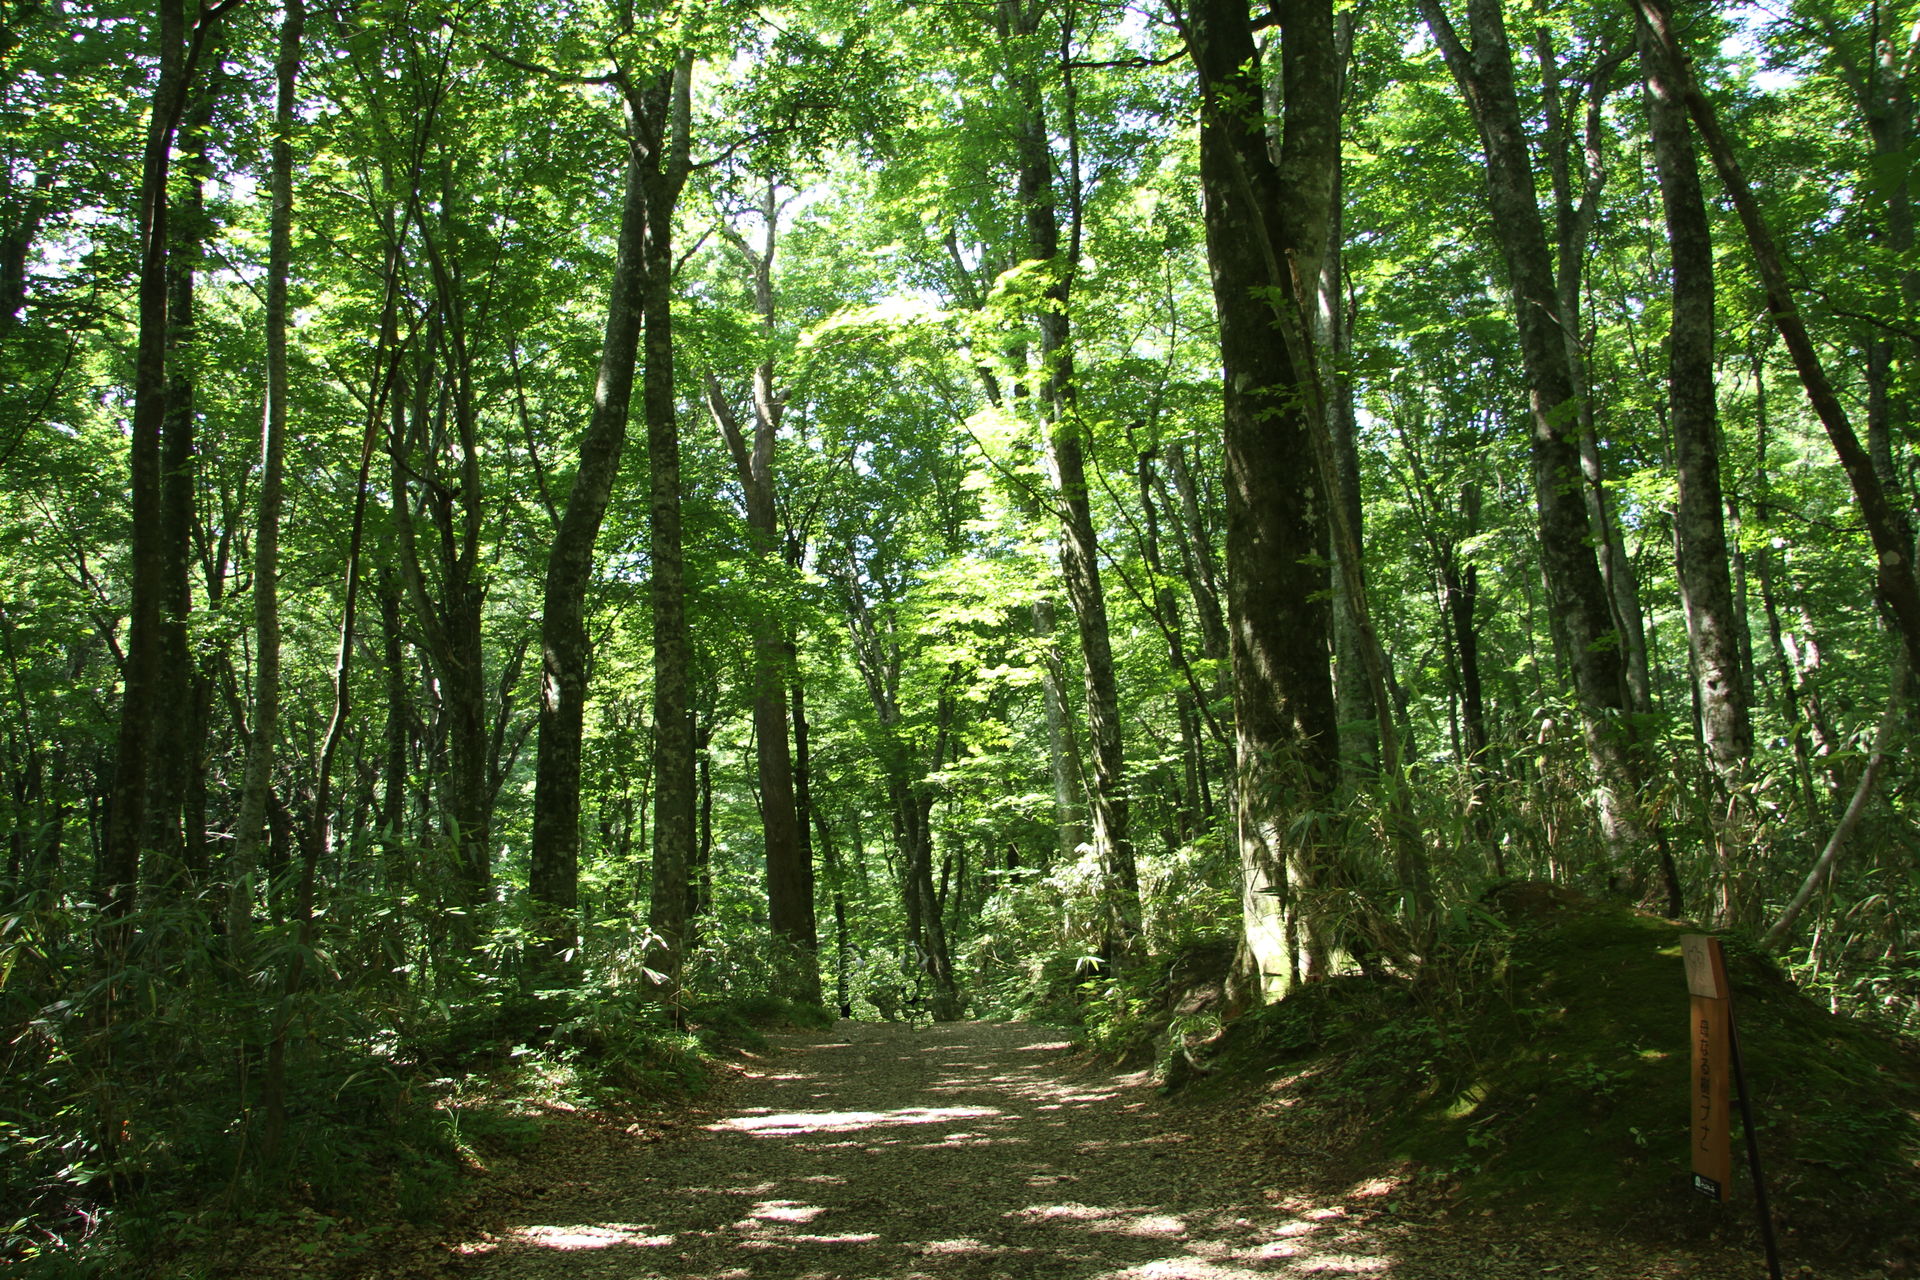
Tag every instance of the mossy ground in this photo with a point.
(1543, 1068)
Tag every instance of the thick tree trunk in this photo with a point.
(1706, 583)
(176, 849)
(126, 825)
(1259, 214)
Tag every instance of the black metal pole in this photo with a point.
(1753, 1147)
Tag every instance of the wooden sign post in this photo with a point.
(1716, 1064)
(1712, 1065)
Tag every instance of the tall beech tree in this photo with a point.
(1266, 226)
(258, 777)
(664, 115)
(179, 45)
(658, 121)
(790, 877)
(1064, 428)
(1705, 576)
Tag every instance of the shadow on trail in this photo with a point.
(964, 1152)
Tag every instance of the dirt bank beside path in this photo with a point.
(978, 1151)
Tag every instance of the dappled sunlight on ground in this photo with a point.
(964, 1152)
(841, 1121)
(601, 1235)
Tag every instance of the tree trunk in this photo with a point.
(258, 780)
(1706, 583)
(1892, 546)
(662, 109)
(789, 866)
(1258, 214)
(1577, 593)
(172, 844)
(1063, 748)
(448, 501)
(1165, 606)
(179, 47)
(1079, 548)
(811, 821)
(553, 880)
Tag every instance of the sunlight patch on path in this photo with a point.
(785, 1211)
(797, 1122)
(599, 1235)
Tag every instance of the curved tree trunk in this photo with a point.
(553, 880)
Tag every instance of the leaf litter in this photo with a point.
(980, 1151)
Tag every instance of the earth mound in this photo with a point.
(1541, 1068)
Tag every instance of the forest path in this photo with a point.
(979, 1151)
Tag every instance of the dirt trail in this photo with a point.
(976, 1151)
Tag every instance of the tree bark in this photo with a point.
(1892, 546)
(176, 850)
(443, 469)
(1577, 593)
(553, 880)
(180, 46)
(1261, 214)
(1706, 582)
(1079, 547)
(789, 865)
(250, 824)
(662, 108)
(1189, 807)
(1063, 747)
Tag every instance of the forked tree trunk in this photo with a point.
(553, 880)
(789, 865)
(1258, 214)
(180, 46)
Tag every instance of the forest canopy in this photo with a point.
(544, 516)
